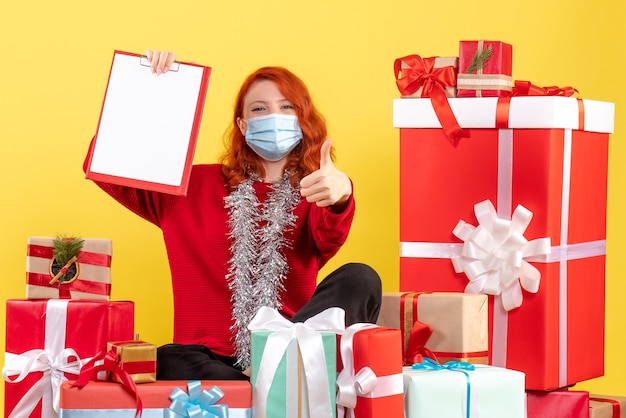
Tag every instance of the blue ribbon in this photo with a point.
(456, 366)
(197, 404)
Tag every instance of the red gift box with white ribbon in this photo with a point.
(534, 169)
(370, 383)
(47, 341)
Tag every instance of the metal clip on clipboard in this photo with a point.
(143, 60)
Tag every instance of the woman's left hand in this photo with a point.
(326, 186)
(160, 61)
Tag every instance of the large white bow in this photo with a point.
(53, 368)
(493, 254)
(310, 343)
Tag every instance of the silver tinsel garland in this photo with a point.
(258, 265)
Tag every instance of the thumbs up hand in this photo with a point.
(326, 186)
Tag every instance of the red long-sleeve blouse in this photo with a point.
(196, 235)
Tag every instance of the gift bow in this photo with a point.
(364, 382)
(311, 347)
(109, 361)
(53, 368)
(455, 366)
(416, 349)
(430, 364)
(493, 254)
(198, 403)
(526, 88)
(422, 73)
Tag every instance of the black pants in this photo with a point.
(354, 287)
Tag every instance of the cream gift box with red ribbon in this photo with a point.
(534, 169)
(47, 342)
(294, 364)
(458, 321)
(607, 406)
(92, 271)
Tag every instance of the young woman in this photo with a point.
(254, 230)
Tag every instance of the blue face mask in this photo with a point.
(273, 136)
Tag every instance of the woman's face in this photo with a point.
(263, 98)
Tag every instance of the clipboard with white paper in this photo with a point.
(148, 126)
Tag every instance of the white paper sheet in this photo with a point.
(146, 122)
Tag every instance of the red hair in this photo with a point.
(239, 159)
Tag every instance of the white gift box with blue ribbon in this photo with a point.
(463, 390)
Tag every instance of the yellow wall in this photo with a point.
(56, 58)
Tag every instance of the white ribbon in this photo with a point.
(309, 340)
(363, 383)
(53, 360)
(493, 254)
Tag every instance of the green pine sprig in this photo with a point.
(64, 248)
(479, 59)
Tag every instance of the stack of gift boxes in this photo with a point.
(72, 352)
(502, 197)
(501, 304)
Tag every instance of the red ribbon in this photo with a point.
(110, 363)
(78, 285)
(139, 367)
(416, 349)
(86, 257)
(615, 404)
(461, 355)
(433, 81)
(526, 88)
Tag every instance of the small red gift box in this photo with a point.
(605, 406)
(557, 404)
(45, 338)
(547, 154)
(91, 273)
(137, 358)
(485, 69)
(98, 399)
(370, 383)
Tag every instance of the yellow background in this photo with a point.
(55, 62)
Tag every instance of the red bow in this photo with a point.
(422, 73)
(109, 363)
(416, 349)
(526, 88)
